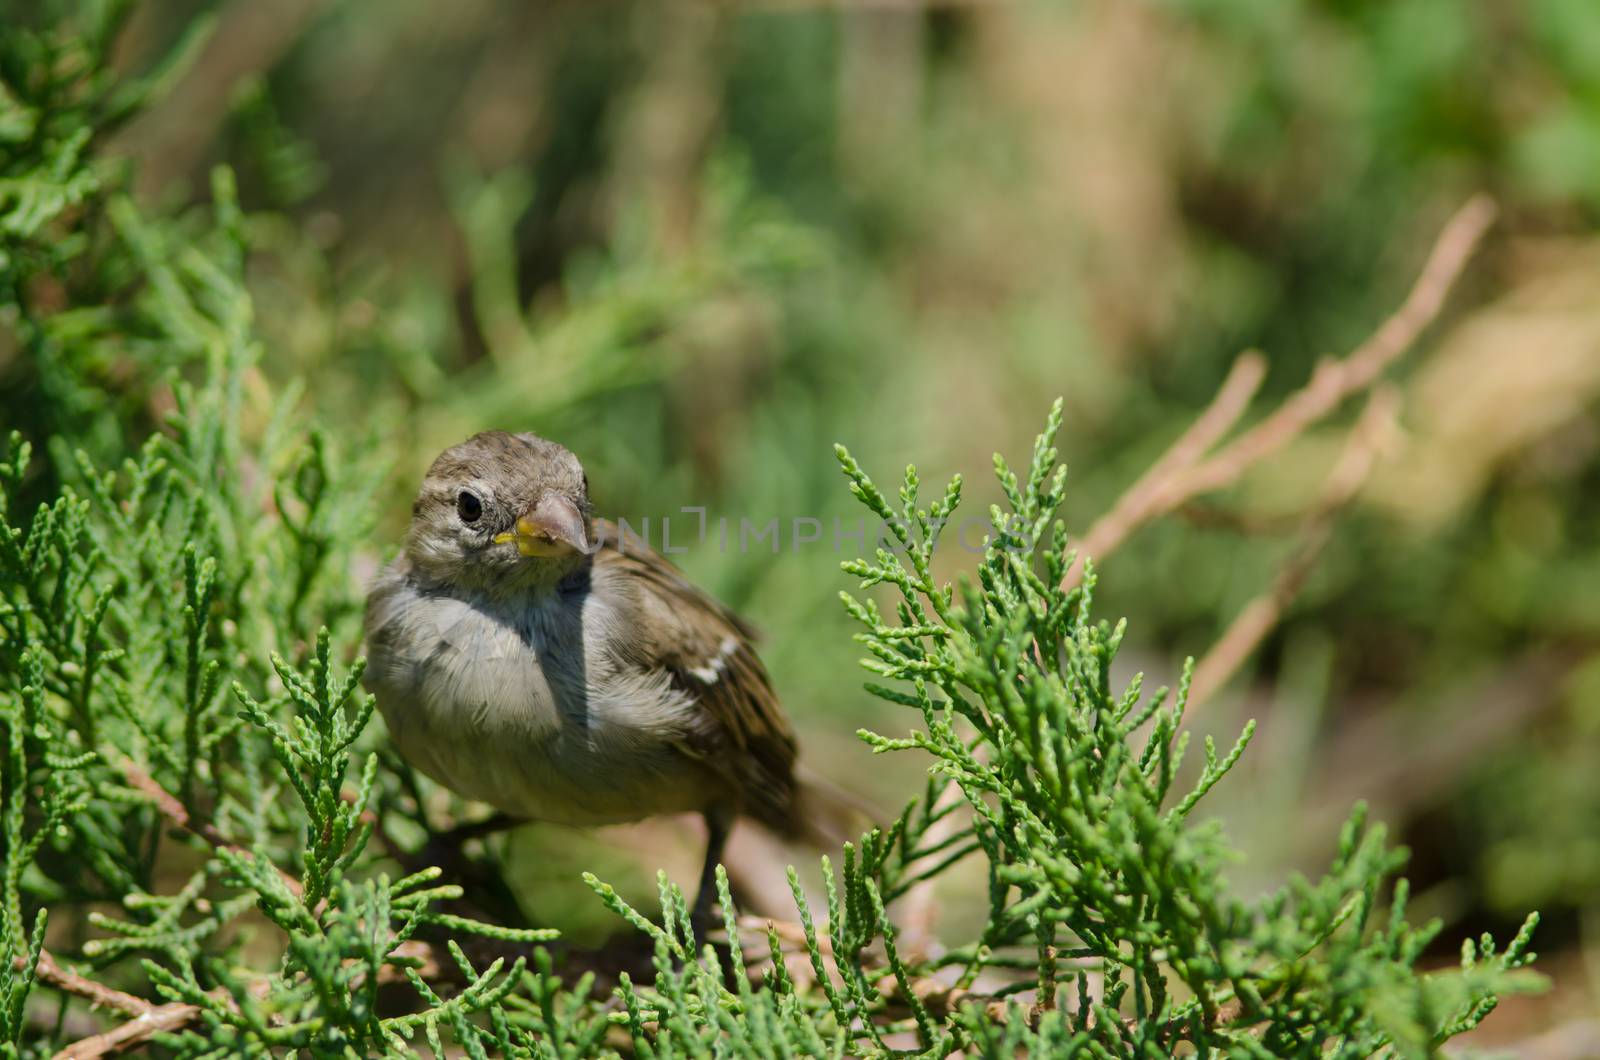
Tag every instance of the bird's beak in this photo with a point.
(553, 527)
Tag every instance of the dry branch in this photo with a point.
(147, 1020)
(177, 814)
(49, 970)
(1184, 472)
(1367, 439)
(1136, 506)
(173, 809)
(159, 1019)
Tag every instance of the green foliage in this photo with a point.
(261, 855)
(1093, 868)
(1106, 906)
(60, 94)
(1279, 196)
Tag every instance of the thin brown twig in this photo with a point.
(1365, 442)
(1135, 506)
(1205, 516)
(148, 1019)
(1335, 380)
(51, 971)
(1184, 472)
(160, 1019)
(173, 809)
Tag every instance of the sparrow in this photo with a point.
(528, 655)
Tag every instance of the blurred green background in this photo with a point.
(699, 243)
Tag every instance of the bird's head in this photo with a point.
(500, 512)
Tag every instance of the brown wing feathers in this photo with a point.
(747, 738)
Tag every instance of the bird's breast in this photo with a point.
(513, 707)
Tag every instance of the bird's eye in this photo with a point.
(468, 506)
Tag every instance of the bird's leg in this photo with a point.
(495, 822)
(719, 821)
(445, 849)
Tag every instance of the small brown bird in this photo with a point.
(527, 655)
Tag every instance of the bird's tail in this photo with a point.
(826, 816)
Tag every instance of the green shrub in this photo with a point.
(198, 814)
